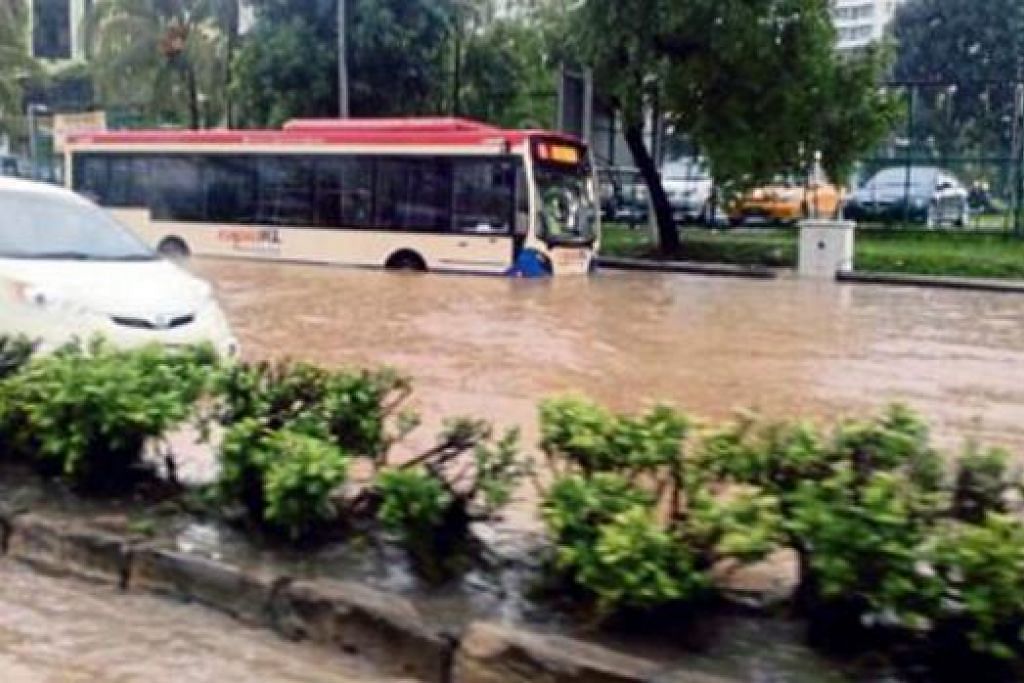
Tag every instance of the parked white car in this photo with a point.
(689, 185)
(68, 270)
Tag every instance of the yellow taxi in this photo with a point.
(786, 202)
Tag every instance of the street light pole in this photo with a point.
(33, 146)
(343, 104)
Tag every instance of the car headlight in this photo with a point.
(38, 297)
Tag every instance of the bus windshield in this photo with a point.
(566, 206)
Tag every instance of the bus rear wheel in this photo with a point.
(174, 248)
(406, 260)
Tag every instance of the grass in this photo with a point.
(913, 251)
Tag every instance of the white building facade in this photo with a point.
(860, 23)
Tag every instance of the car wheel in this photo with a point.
(964, 219)
(174, 249)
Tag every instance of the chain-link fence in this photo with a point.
(956, 158)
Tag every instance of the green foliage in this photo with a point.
(636, 563)
(15, 353)
(930, 35)
(984, 484)
(862, 535)
(593, 439)
(282, 478)
(632, 523)
(413, 502)
(303, 471)
(431, 500)
(283, 70)
(351, 407)
(975, 577)
(176, 51)
(86, 413)
(608, 543)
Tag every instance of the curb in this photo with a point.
(687, 267)
(384, 629)
(936, 281)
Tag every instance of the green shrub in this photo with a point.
(861, 538)
(14, 354)
(975, 578)
(431, 501)
(413, 502)
(303, 471)
(352, 407)
(87, 412)
(632, 524)
(283, 479)
(984, 484)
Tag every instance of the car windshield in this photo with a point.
(43, 227)
(566, 206)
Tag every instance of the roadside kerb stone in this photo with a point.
(384, 629)
(492, 653)
(245, 595)
(61, 546)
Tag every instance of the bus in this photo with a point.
(417, 194)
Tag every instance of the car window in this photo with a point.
(38, 227)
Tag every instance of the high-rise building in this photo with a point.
(860, 23)
(56, 29)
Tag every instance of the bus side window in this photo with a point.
(91, 177)
(522, 188)
(230, 188)
(484, 196)
(414, 194)
(177, 190)
(344, 194)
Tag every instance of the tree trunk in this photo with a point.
(229, 109)
(668, 236)
(193, 96)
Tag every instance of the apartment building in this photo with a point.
(860, 23)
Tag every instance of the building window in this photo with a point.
(51, 29)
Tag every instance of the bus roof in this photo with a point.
(411, 131)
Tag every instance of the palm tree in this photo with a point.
(16, 64)
(159, 54)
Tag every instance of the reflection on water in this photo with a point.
(52, 630)
(493, 347)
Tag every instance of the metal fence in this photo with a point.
(957, 145)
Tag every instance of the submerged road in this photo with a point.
(60, 631)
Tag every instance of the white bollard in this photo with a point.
(826, 248)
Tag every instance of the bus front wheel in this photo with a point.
(406, 260)
(174, 249)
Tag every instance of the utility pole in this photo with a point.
(457, 71)
(343, 104)
(1018, 160)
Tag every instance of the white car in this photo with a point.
(68, 270)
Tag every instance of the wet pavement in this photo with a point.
(494, 347)
(58, 631)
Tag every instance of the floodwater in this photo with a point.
(55, 631)
(494, 347)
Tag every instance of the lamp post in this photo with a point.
(33, 109)
(343, 104)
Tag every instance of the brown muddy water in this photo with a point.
(55, 631)
(494, 347)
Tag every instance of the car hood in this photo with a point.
(130, 288)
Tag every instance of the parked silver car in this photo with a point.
(925, 194)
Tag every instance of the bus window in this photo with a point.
(414, 194)
(286, 191)
(177, 189)
(90, 176)
(230, 183)
(128, 181)
(344, 195)
(484, 196)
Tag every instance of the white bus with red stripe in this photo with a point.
(426, 194)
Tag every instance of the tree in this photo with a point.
(506, 78)
(972, 52)
(16, 64)
(397, 58)
(755, 84)
(158, 54)
(283, 70)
